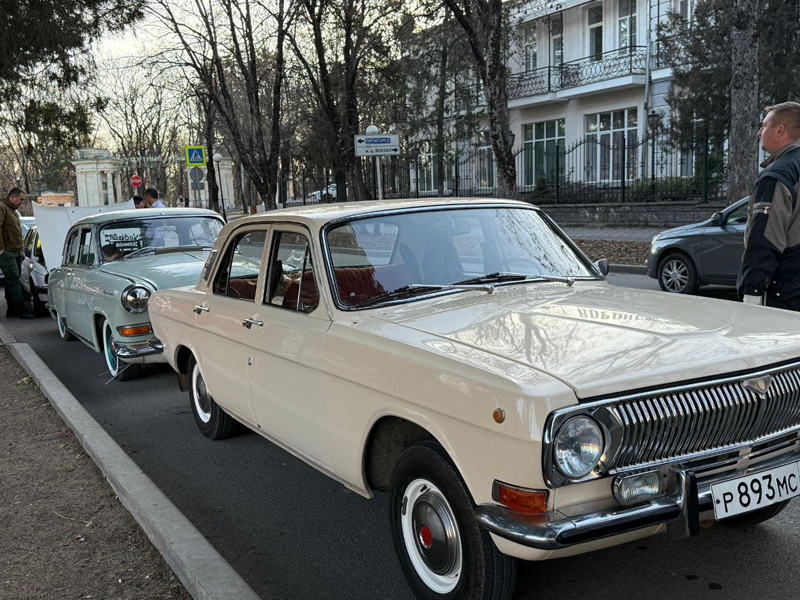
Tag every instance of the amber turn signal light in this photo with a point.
(520, 499)
(135, 330)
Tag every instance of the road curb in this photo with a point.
(204, 573)
(628, 269)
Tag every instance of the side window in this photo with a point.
(28, 243)
(237, 276)
(71, 252)
(738, 216)
(86, 253)
(37, 249)
(291, 279)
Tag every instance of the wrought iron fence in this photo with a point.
(603, 167)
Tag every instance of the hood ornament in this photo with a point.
(758, 385)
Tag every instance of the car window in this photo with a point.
(29, 241)
(71, 252)
(237, 276)
(86, 250)
(364, 242)
(738, 216)
(120, 238)
(37, 249)
(291, 279)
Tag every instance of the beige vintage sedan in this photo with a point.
(466, 356)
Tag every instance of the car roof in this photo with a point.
(143, 213)
(317, 215)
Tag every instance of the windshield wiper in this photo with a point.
(139, 251)
(165, 250)
(502, 276)
(408, 290)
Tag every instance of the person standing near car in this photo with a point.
(151, 198)
(770, 272)
(11, 253)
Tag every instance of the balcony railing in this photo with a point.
(592, 69)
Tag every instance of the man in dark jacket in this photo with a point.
(11, 253)
(770, 272)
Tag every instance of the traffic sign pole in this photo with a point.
(379, 176)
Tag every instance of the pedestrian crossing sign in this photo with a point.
(195, 156)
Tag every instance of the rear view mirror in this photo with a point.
(717, 218)
(602, 266)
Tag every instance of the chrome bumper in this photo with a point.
(680, 509)
(138, 350)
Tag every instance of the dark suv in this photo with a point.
(706, 253)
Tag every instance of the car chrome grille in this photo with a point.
(708, 418)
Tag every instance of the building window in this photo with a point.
(627, 23)
(557, 40)
(485, 163)
(530, 48)
(543, 149)
(595, 14)
(611, 140)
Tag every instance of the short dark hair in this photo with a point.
(15, 191)
(110, 249)
(152, 192)
(137, 200)
(787, 114)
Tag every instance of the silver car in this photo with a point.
(25, 224)
(705, 253)
(34, 275)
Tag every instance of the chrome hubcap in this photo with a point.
(202, 402)
(675, 276)
(431, 536)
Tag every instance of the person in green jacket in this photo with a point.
(11, 253)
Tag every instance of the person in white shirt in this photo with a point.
(151, 198)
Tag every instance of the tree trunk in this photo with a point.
(743, 150)
(211, 174)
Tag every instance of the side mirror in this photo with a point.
(602, 266)
(717, 218)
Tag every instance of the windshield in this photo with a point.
(119, 239)
(376, 256)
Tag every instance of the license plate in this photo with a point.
(751, 492)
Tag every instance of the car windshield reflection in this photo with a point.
(124, 238)
(395, 257)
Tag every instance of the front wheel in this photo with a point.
(36, 303)
(119, 370)
(444, 552)
(678, 275)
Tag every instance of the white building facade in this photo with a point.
(98, 177)
(586, 87)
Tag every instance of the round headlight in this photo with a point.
(135, 299)
(578, 447)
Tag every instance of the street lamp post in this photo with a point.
(217, 158)
(372, 130)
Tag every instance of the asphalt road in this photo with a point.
(293, 533)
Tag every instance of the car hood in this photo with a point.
(600, 339)
(161, 271)
(683, 230)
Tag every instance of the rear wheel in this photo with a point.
(65, 333)
(677, 274)
(212, 421)
(121, 371)
(757, 516)
(444, 553)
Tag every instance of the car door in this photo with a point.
(221, 342)
(60, 283)
(723, 246)
(80, 315)
(27, 261)
(285, 346)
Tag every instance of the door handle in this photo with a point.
(200, 309)
(250, 322)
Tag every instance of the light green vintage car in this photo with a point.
(111, 264)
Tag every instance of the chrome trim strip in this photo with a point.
(139, 350)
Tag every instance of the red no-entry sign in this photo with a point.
(136, 181)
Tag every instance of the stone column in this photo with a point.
(110, 186)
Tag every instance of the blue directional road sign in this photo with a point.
(195, 156)
(381, 144)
